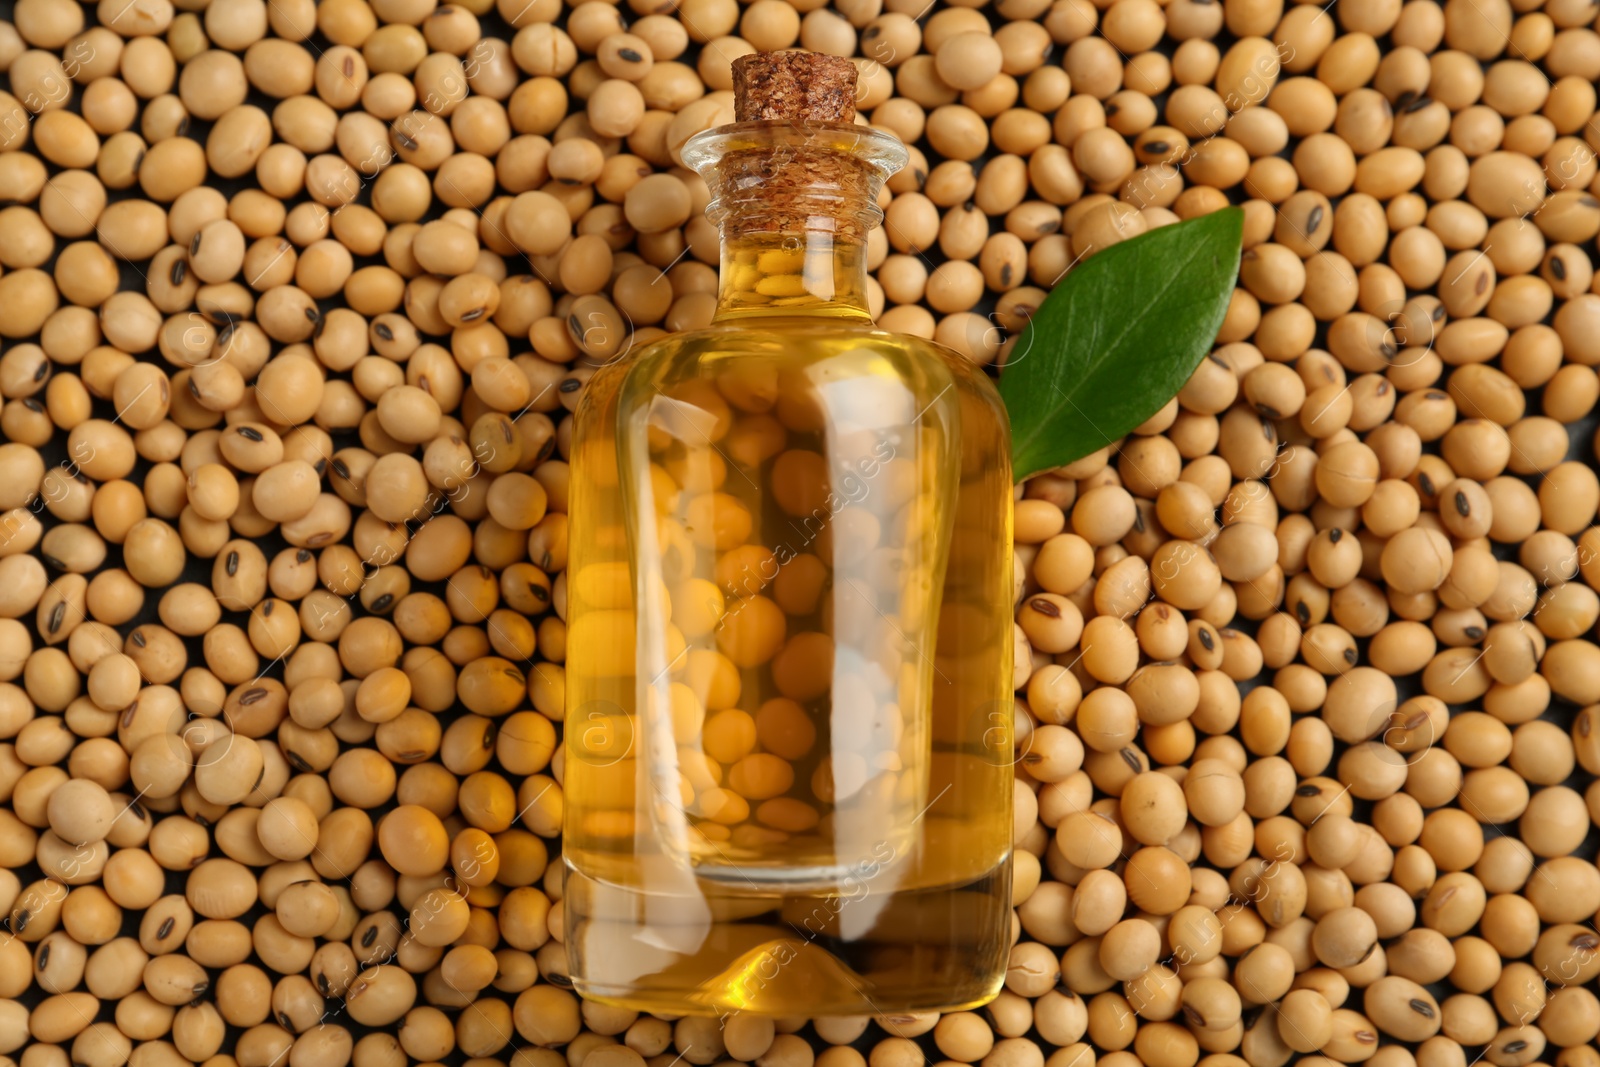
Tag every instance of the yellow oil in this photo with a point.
(788, 750)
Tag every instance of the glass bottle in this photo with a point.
(788, 767)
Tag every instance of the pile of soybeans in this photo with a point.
(287, 374)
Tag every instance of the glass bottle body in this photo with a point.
(788, 752)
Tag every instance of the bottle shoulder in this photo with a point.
(798, 341)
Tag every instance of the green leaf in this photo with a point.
(1117, 339)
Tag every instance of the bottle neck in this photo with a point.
(776, 273)
(795, 204)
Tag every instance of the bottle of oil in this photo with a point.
(788, 748)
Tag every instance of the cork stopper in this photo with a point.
(793, 87)
(794, 161)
